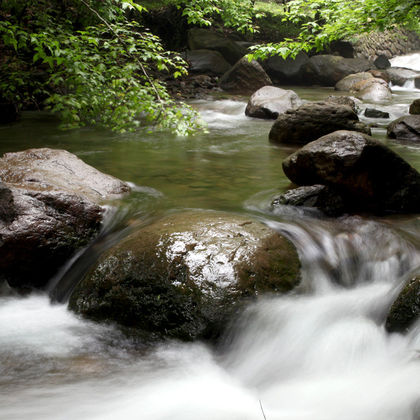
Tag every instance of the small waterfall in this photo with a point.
(409, 61)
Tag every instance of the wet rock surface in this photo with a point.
(185, 276)
(319, 196)
(269, 101)
(245, 77)
(415, 107)
(405, 128)
(406, 308)
(313, 120)
(376, 113)
(368, 175)
(400, 75)
(49, 208)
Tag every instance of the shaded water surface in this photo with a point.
(322, 353)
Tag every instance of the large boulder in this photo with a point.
(415, 107)
(245, 77)
(287, 70)
(400, 76)
(313, 120)
(366, 87)
(349, 82)
(185, 275)
(269, 101)
(405, 128)
(327, 70)
(207, 39)
(49, 208)
(369, 175)
(406, 308)
(373, 90)
(207, 61)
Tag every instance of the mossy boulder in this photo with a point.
(184, 276)
(406, 308)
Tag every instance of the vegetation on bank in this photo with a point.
(93, 62)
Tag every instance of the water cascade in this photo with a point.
(321, 352)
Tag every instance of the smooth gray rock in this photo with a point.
(269, 102)
(350, 82)
(369, 175)
(382, 62)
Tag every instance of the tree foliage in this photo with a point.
(324, 21)
(86, 61)
(90, 65)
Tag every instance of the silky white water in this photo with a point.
(318, 354)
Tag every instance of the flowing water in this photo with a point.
(321, 354)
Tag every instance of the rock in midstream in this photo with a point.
(184, 276)
(367, 174)
(50, 206)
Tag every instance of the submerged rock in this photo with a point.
(49, 208)
(368, 175)
(269, 101)
(406, 308)
(313, 120)
(376, 113)
(185, 275)
(319, 196)
(405, 128)
(245, 77)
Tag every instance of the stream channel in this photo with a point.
(320, 355)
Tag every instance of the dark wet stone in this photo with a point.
(415, 107)
(186, 275)
(368, 175)
(207, 61)
(382, 62)
(319, 196)
(313, 120)
(405, 128)
(406, 308)
(375, 113)
(49, 208)
(245, 77)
